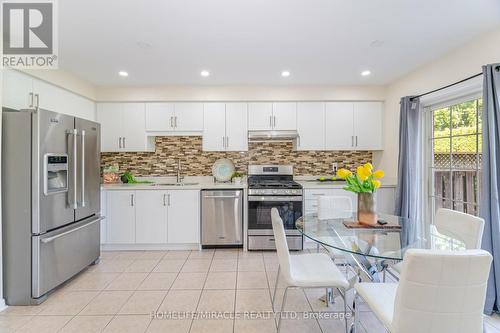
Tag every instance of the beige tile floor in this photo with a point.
(120, 293)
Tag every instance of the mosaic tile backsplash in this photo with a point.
(195, 162)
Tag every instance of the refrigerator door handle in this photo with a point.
(53, 238)
(74, 203)
(82, 190)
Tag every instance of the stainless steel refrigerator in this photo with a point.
(50, 201)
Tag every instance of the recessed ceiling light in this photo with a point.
(144, 45)
(377, 43)
(285, 73)
(365, 73)
(122, 73)
(205, 73)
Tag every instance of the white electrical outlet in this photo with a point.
(335, 168)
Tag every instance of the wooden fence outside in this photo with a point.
(464, 185)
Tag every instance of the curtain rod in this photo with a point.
(450, 85)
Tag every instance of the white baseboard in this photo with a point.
(149, 247)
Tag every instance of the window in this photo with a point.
(454, 150)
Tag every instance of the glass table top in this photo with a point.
(389, 244)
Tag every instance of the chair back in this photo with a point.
(441, 291)
(461, 226)
(334, 207)
(281, 245)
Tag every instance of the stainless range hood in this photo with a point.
(272, 135)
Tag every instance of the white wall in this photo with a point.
(2, 301)
(456, 65)
(240, 93)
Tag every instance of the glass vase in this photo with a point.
(367, 208)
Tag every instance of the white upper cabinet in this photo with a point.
(122, 127)
(134, 124)
(339, 124)
(284, 116)
(21, 91)
(214, 127)
(311, 126)
(184, 118)
(188, 117)
(260, 116)
(225, 127)
(17, 90)
(368, 117)
(159, 117)
(279, 116)
(236, 127)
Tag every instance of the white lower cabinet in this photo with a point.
(120, 219)
(311, 198)
(183, 216)
(149, 217)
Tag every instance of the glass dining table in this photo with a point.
(371, 250)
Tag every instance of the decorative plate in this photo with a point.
(223, 169)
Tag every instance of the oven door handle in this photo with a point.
(277, 198)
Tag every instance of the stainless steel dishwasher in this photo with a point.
(221, 218)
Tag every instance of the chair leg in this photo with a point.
(275, 287)
(356, 312)
(343, 294)
(282, 309)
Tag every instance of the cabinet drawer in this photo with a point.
(311, 205)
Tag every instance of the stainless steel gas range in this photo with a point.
(273, 186)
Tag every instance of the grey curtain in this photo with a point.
(409, 165)
(489, 206)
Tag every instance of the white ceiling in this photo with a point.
(252, 41)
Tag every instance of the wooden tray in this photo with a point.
(356, 225)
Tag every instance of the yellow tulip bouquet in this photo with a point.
(364, 181)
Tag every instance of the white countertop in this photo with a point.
(198, 183)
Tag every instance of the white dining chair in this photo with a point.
(457, 226)
(438, 292)
(334, 207)
(314, 270)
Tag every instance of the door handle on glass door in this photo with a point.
(82, 190)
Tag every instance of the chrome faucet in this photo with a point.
(179, 177)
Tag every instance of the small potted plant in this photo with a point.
(236, 177)
(365, 183)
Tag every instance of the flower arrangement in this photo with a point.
(364, 181)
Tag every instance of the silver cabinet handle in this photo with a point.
(82, 190)
(175, 121)
(171, 124)
(223, 143)
(271, 121)
(317, 194)
(132, 200)
(352, 140)
(53, 238)
(31, 100)
(221, 196)
(164, 200)
(37, 97)
(356, 140)
(124, 145)
(168, 201)
(227, 142)
(274, 121)
(120, 142)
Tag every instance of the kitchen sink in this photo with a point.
(174, 184)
